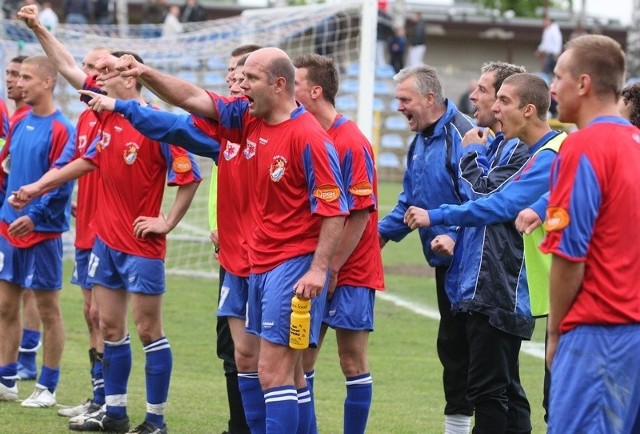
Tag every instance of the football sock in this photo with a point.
(116, 367)
(49, 378)
(9, 374)
(305, 410)
(253, 401)
(237, 421)
(29, 348)
(310, 376)
(281, 405)
(357, 402)
(97, 378)
(457, 424)
(158, 376)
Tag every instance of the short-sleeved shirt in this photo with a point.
(293, 177)
(87, 129)
(361, 190)
(591, 218)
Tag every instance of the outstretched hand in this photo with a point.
(99, 102)
(416, 217)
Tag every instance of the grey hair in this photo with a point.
(427, 80)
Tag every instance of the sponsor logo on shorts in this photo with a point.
(267, 324)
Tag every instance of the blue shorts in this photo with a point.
(233, 296)
(38, 267)
(81, 268)
(269, 307)
(595, 380)
(350, 308)
(114, 269)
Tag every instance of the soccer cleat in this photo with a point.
(92, 411)
(25, 373)
(40, 398)
(99, 421)
(149, 428)
(75, 411)
(8, 393)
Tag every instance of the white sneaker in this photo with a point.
(74, 411)
(8, 393)
(91, 411)
(40, 398)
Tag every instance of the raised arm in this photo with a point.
(56, 52)
(173, 90)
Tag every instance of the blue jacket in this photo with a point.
(494, 279)
(430, 180)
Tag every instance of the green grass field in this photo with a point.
(408, 395)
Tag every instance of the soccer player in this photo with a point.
(27, 366)
(30, 240)
(594, 320)
(352, 288)
(501, 312)
(431, 179)
(87, 129)
(4, 121)
(297, 208)
(221, 195)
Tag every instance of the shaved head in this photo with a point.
(43, 67)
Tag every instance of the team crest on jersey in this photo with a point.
(276, 171)
(327, 192)
(230, 151)
(557, 219)
(130, 153)
(250, 150)
(104, 141)
(361, 189)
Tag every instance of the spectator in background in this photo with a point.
(104, 12)
(48, 17)
(550, 47)
(416, 38)
(385, 31)
(77, 11)
(192, 12)
(629, 103)
(154, 14)
(397, 48)
(172, 25)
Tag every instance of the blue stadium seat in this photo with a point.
(378, 104)
(389, 159)
(346, 102)
(393, 105)
(353, 69)
(392, 141)
(349, 85)
(396, 122)
(189, 76)
(385, 71)
(382, 88)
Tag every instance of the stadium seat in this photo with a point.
(382, 88)
(392, 141)
(389, 159)
(349, 85)
(396, 122)
(346, 102)
(378, 104)
(213, 63)
(393, 105)
(353, 69)
(189, 76)
(385, 71)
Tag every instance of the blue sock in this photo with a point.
(49, 378)
(310, 376)
(98, 380)
(357, 403)
(281, 404)
(116, 367)
(9, 374)
(158, 376)
(305, 410)
(29, 348)
(252, 401)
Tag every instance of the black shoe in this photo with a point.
(99, 421)
(149, 428)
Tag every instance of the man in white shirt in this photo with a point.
(550, 47)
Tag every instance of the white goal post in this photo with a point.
(344, 30)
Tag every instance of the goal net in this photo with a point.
(200, 55)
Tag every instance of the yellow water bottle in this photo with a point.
(300, 323)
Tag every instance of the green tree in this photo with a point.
(522, 8)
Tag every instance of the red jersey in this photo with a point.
(233, 218)
(593, 206)
(87, 129)
(4, 120)
(293, 177)
(364, 266)
(133, 170)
